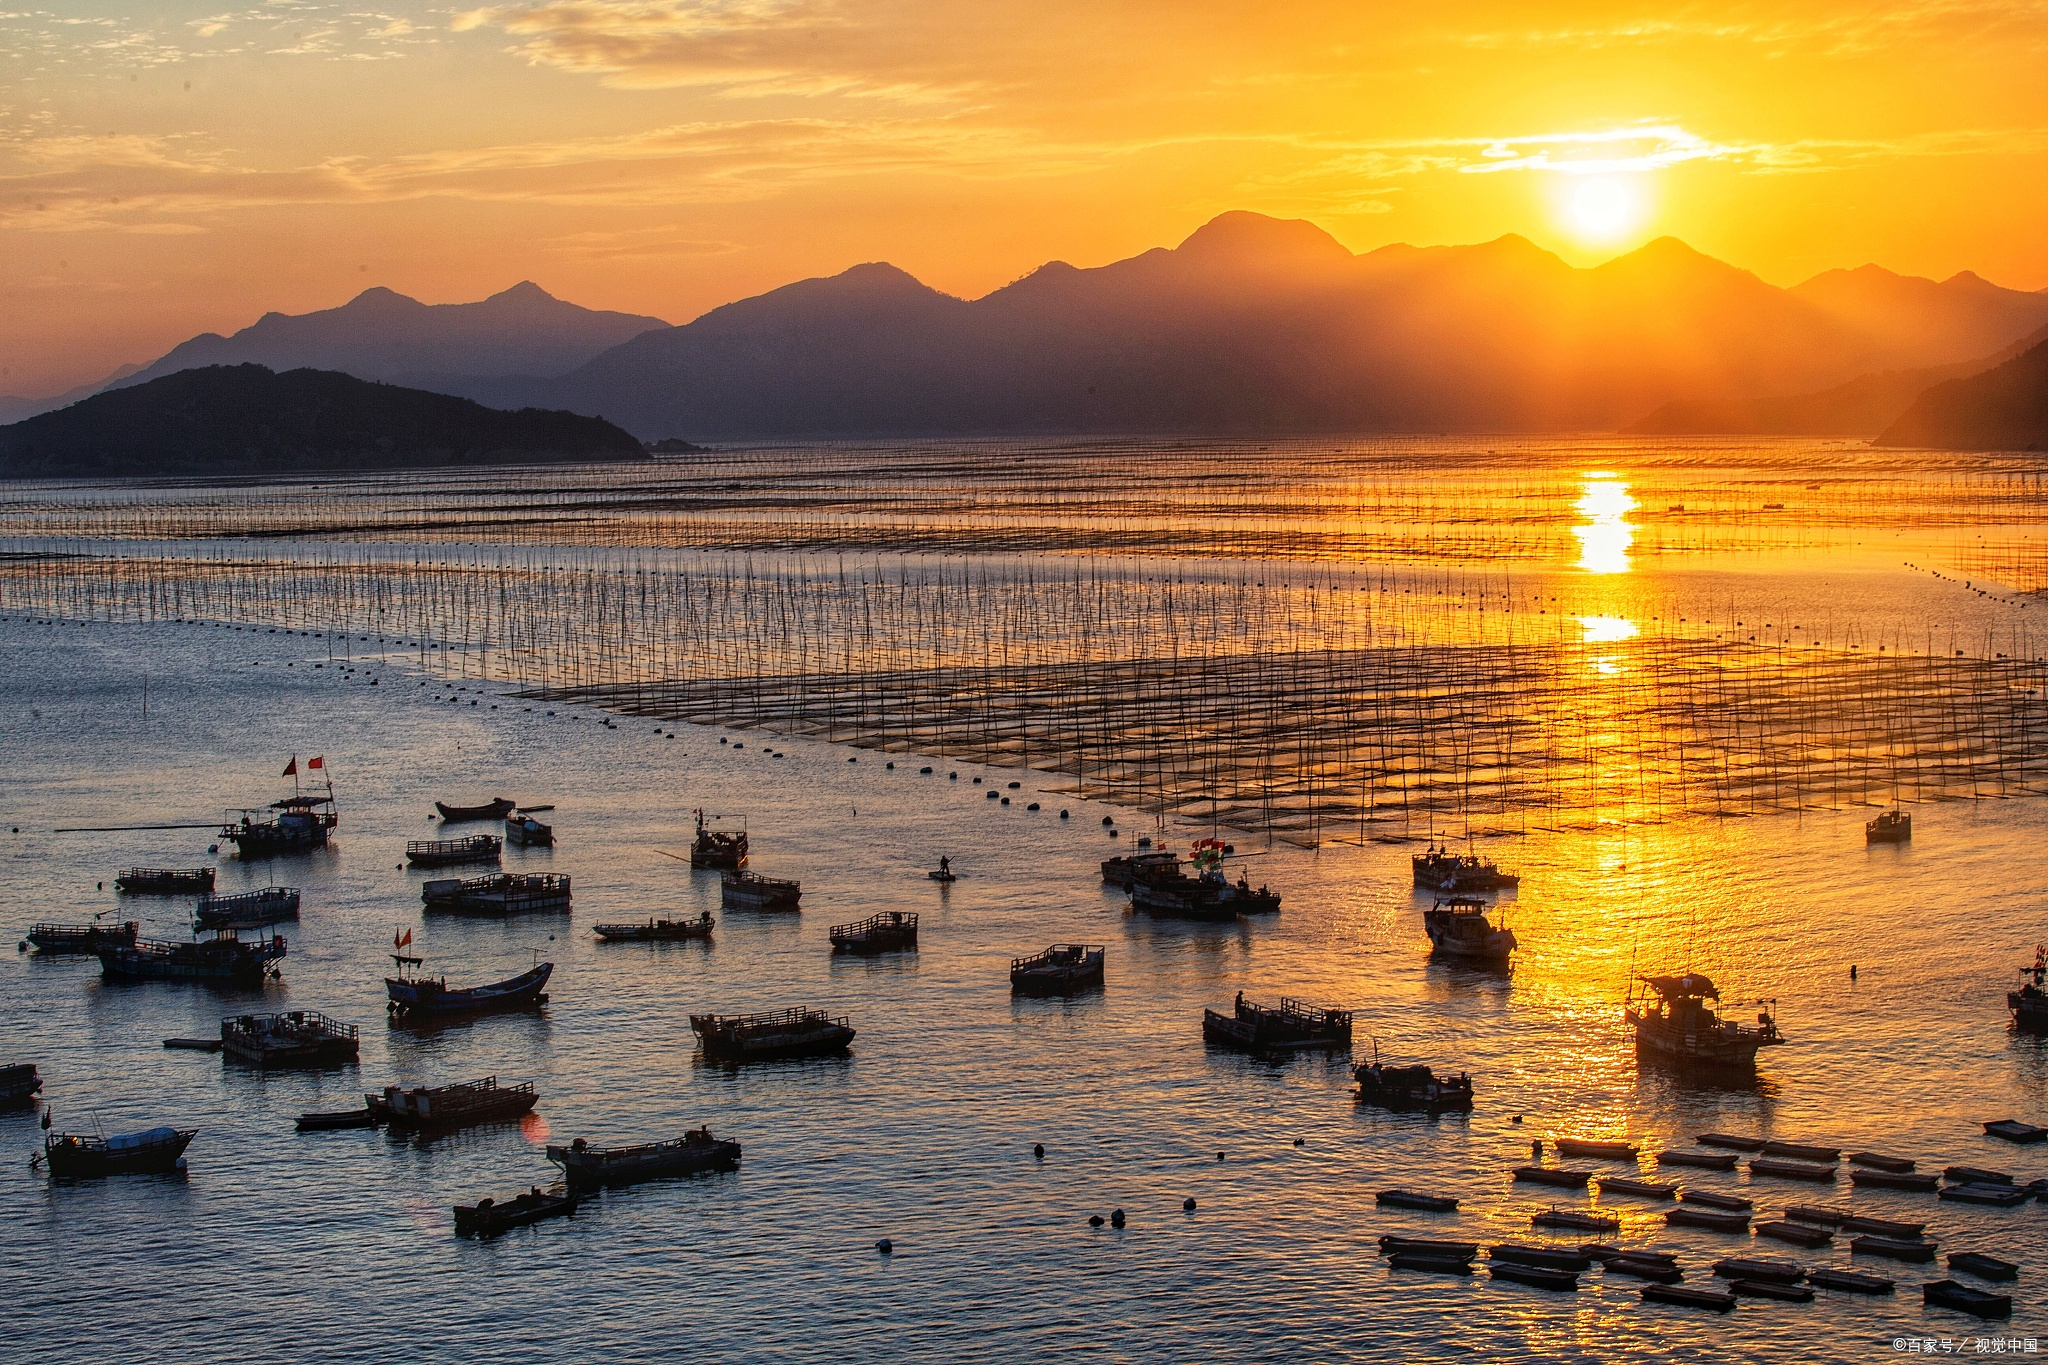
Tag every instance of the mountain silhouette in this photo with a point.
(1256, 324)
(2005, 408)
(244, 419)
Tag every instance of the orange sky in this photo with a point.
(186, 168)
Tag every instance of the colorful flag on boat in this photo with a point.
(316, 763)
(291, 769)
(401, 940)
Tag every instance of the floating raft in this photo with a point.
(1549, 1258)
(1645, 1268)
(1598, 1151)
(1984, 1267)
(1893, 1248)
(1642, 1189)
(2011, 1130)
(1851, 1222)
(1604, 1252)
(1714, 1300)
(1740, 1144)
(1800, 1152)
(1395, 1244)
(1793, 1170)
(1573, 1218)
(1798, 1234)
(2000, 1196)
(344, 1118)
(1713, 1221)
(1553, 1175)
(194, 1044)
(1408, 1199)
(1749, 1268)
(1440, 1265)
(1706, 1161)
(1850, 1281)
(1963, 1299)
(1532, 1275)
(1878, 1161)
(1895, 1180)
(1975, 1175)
(1771, 1289)
(1708, 1199)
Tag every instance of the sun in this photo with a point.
(1603, 208)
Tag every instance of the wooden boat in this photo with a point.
(1893, 1248)
(886, 932)
(1413, 1089)
(1771, 1289)
(1893, 1180)
(1849, 1281)
(1207, 895)
(1553, 1175)
(443, 1108)
(1641, 1189)
(1126, 870)
(1439, 1265)
(1800, 1152)
(1679, 1028)
(1798, 1234)
(1408, 1199)
(20, 1083)
(495, 809)
(1883, 1227)
(246, 909)
(586, 1166)
(1598, 1151)
(224, 957)
(1575, 1219)
(1458, 928)
(332, 1120)
(1889, 827)
(2011, 1130)
(742, 890)
(302, 823)
(1963, 1299)
(1879, 1162)
(717, 847)
(1706, 1161)
(1685, 1216)
(770, 1036)
(1749, 1268)
(1792, 1170)
(1427, 1246)
(1708, 1199)
(1644, 1268)
(1732, 1142)
(1060, 970)
(477, 848)
(298, 1038)
(1294, 1026)
(1997, 1196)
(1550, 1258)
(941, 874)
(658, 930)
(1982, 1266)
(1974, 1175)
(192, 1044)
(82, 938)
(416, 998)
(1821, 1216)
(527, 832)
(1714, 1300)
(2029, 1004)
(1439, 869)
(488, 1218)
(154, 1151)
(1535, 1276)
(165, 881)
(1604, 1252)
(506, 893)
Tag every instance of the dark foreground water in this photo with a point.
(339, 1246)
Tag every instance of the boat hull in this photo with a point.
(74, 938)
(80, 1161)
(414, 999)
(593, 1167)
(191, 962)
(656, 931)
(490, 810)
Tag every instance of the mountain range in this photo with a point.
(1252, 324)
(2002, 408)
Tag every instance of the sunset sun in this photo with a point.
(1603, 209)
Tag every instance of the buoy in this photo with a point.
(977, 782)
(1015, 785)
(1032, 806)
(1006, 800)
(1852, 971)
(1219, 1156)
(885, 1246)
(1116, 1218)
(1188, 1204)
(1107, 821)
(100, 886)
(993, 795)
(1038, 1150)
(891, 766)
(924, 772)
(1516, 1119)
(1094, 1220)
(1536, 1150)
(1301, 1142)
(1063, 815)
(855, 760)
(1112, 834)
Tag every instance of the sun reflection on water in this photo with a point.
(1605, 538)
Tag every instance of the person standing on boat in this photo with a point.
(945, 866)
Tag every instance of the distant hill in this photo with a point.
(386, 336)
(2001, 409)
(1862, 407)
(13, 407)
(245, 419)
(1255, 324)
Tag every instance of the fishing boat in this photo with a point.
(1127, 869)
(165, 881)
(495, 809)
(1713, 1220)
(489, 1217)
(1849, 1281)
(1798, 1234)
(227, 956)
(1394, 1242)
(1532, 1275)
(1409, 1199)
(477, 848)
(1550, 1258)
(1294, 1026)
(301, 823)
(1911, 1249)
(445, 1107)
(1732, 1141)
(19, 1083)
(154, 1151)
(886, 932)
(1850, 1222)
(522, 829)
(1597, 1150)
(739, 889)
(1894, 1180)
(1437, 1265)
(1995, 1196)
(1644, 1268)
(246, 909)
(1792, 1170)
(298, 1038)
(82, 938)
(414, 998)
(1641, 1189)
(1963, 1299)
(1705, 1161)
(1731, 1203)
(1553, 1175)
(1458, 928)
(506, 893)
(1982, 1266)
(1407, 1088)
(1878, 1161)
(2029, 1004)
(1604, 1252)
(584, 1165)
(1576, 1219)
(1890, 827)
(725, 848)
(334, 1120)
(1975, 1175)
(1676, 1026)
(1061, 969)
(1778, 1290)
(1713, 1300)
(1441, 870)
(1800, 1151)
(658, 930)
(771, 1036)
(1207, 895)
(1749, 1268)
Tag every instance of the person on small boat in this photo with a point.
(945, 866)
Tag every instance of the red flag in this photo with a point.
(291, 769)
(316, 763)
(399, 940)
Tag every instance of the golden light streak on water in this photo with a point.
(1605, 537)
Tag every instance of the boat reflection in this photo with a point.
(1605, 537)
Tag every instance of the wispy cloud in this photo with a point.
(1602, 152)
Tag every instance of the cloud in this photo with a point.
(1603, 152)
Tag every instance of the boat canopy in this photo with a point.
(1691, 985)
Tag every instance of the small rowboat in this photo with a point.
(1963, 1299)
(1894, 1180)
(1893, 1248)
(1850, 1222)
(1645, 1268)
(1642, 1189)
(1793, 1170)
(1975, 1175)
(1534, 1276)
(1879, 1162)
(1604, 1252)
(496, 809)
(335, 1119)
(1740, 1144)
(1771, 1289)
(1708, 1199)
(1440, 1265)
(488, 1218)
(1426, 1246)
(1983, 1267)
(1573, 1218)
(1706, 1161)
(1747, 1268)
(1687, 1217)
(1596, 1151)
(1553, 1175)
(1798, 1152)
(1407, 1199)
(1714, 1300)
(939, 876)
(1550, 1258)
(1798, 1234)
(1850, 1281)
(2011, 1130)
(1999, 1196)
